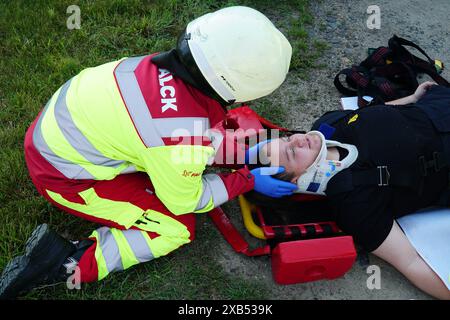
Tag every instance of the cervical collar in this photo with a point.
(316, 177)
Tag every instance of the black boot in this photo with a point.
(47, 257)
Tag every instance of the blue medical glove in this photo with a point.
(269, 186)
(251, 154)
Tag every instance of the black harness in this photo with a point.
(389, 175)
(388, 73)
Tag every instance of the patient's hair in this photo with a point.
(285, 176)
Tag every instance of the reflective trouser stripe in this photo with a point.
(127, 256)
(118, 250)
(137, 240)
(121, 212)
(214, 193)
(110, 249)
(99, 258)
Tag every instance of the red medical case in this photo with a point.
(304, 242)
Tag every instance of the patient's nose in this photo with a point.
(299, 141)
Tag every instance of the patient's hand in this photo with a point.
(422, 89)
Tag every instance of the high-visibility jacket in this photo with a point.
(129, 115)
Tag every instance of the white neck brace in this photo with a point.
(316, 177)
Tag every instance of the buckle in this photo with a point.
(423, 166)
(438, 161)
(384, 176)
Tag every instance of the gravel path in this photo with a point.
(342, 24)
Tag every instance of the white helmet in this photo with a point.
(239, 52)
(316, 177)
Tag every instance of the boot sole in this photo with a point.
(11, 273)
(34, 247)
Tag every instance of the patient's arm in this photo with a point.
(398, 251)
(420, 92)
(402, 101)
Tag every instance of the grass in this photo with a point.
(39, 54)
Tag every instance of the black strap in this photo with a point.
(310, 231)
(296, 232)
(327, 229)
(396, 44)
(377, 58)
(338, 84)
(279, 232)
(384, 176)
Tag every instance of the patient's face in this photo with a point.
(295, 153)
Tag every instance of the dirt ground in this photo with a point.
(342, 24)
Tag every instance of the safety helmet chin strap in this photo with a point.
(316, 177)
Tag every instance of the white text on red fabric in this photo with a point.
(167, 92)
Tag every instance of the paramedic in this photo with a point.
(110, 146)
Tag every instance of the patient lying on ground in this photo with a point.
(381, 163)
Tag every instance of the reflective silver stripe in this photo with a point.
(67, 168)
(129, 169)
(216, 188)
(182, 126)
(135, 103)
(206, 195)
(74, 136)
(138, 245)
(110, 250)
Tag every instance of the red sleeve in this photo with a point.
(229, 145)
(238, 182)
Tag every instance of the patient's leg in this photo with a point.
(398, 251)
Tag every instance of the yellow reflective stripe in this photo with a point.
(58, 144)
(213, 188)
(162, 224)
(126, 253)
(163, 245)
(149, 243)
(176, 173)
(123, 213)
(97, 109)
(67, 168)
(172, 233)
(101, 263)
(208, 207)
